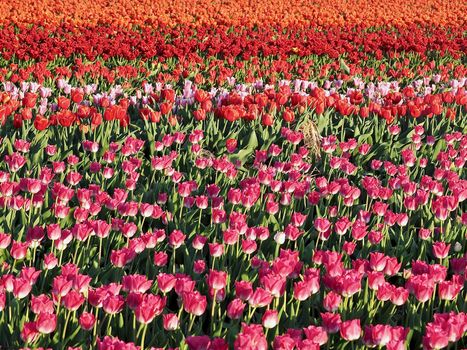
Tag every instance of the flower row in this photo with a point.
(46, 43)
(66, 105)
(125, 13)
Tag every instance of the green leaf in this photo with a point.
(245, 277)
(344, 67)
(243, 154)
(439, 146)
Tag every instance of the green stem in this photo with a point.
(143, 336)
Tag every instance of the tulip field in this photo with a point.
(245, 175)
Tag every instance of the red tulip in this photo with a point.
(63, 102)
(41, 122)
(267, 119)
(50, 261)
(76, 95)
(377, 335)
(288, 116)
(322, 225)
(273, 283)
(448, 290)
(231, 145)
(399, 296)
(29, 100)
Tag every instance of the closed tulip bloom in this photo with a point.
(170, 322)
(29, 333)
(41, 304)
(350, 330)
(198, 342)
(73, 300)
(332, 301)
(87, 321)
(235, 309)
(184, 284)
(270, 319)
(243, 289)
(21, 288)
(198, 242)
(260, 298)
(331, 322)
(349, 247)
(113, 304)
(202, 202)
(322, 225)
(377, 335)
(199, 266)
(96, 297)
(18, 250)
(136, 283)
(5, 240)
(249, 246)
(216, 250)
(194, 303)
(378, 261)
(145, 312)
(46, 323)
(302, 290)
(448, 290)
(399, 296)
(61, 286)
(316, 334)
(251, 337)
(161, 259)
(176, 238)
(273, 283)
(298, 219)
(54, 232)
(423, 292)
(284, 342)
